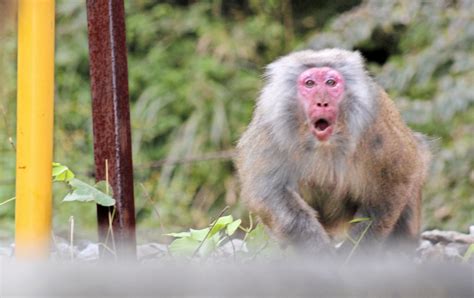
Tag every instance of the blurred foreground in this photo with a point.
(307, 278)
(442, 266)
(194, 71)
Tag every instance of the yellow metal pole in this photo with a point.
(34, 128)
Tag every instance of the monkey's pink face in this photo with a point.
(320, 90)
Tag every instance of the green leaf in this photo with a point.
(232, 227)
(84, 192)
(62, 173)
(183, 246)
(104, 187)
(220, 224)
(256, 238)
(199, 235)
(359, 219)
(78, 195)
(209, 245)
(179, 235)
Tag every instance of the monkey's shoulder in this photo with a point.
(257, 151)
(393, 151)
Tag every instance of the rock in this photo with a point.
(151, 251)
(438, 245)
(430, 252)
(89, 253)
(63, 251)
(456, 250)
(232, 247)
(436, 236)
(424, 245)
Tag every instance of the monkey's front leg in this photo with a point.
(380, 220)
(293, 221)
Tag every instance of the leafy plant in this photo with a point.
(99, 193)
(212, 239)
(204, 241)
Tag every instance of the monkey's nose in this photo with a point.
(322, 104)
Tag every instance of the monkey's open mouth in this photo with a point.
(321, 124)
(322, 128)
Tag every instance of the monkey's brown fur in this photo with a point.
(305, 191)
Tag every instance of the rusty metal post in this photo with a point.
(111, 121)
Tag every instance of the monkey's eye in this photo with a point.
(331, 82)
(309, 83)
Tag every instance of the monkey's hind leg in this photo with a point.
(405, 234)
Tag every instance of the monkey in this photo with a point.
(327, 145)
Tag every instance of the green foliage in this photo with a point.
(205, 241)
(83, 192)
(62, 173)
(202, 71)
(257, 239)
(101, 193)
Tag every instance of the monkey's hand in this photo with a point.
(307, 232)
(293, 222)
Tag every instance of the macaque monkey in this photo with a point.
(326, 145)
